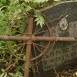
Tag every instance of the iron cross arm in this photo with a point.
(36, 38)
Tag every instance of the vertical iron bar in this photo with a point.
(28, 48)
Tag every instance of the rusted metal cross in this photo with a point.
(29, 39)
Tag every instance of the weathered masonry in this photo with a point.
(62, 21)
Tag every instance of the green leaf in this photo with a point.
(2, 70)
(39, 18)
(36, 1)
(28, 8)
(57, 0)
(27, 0)
(2, 75)
(5, 74)
(3, 1)
(11, 74)
(40, 1)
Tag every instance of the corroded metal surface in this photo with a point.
(28, 48)
(37, 38)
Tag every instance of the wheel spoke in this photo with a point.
(37, 31)
(34, 49)
(37, 47)
(23, 47)
(25, 33)
(3, 48)
(36, 28)
(19, 48)
(41, 32)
